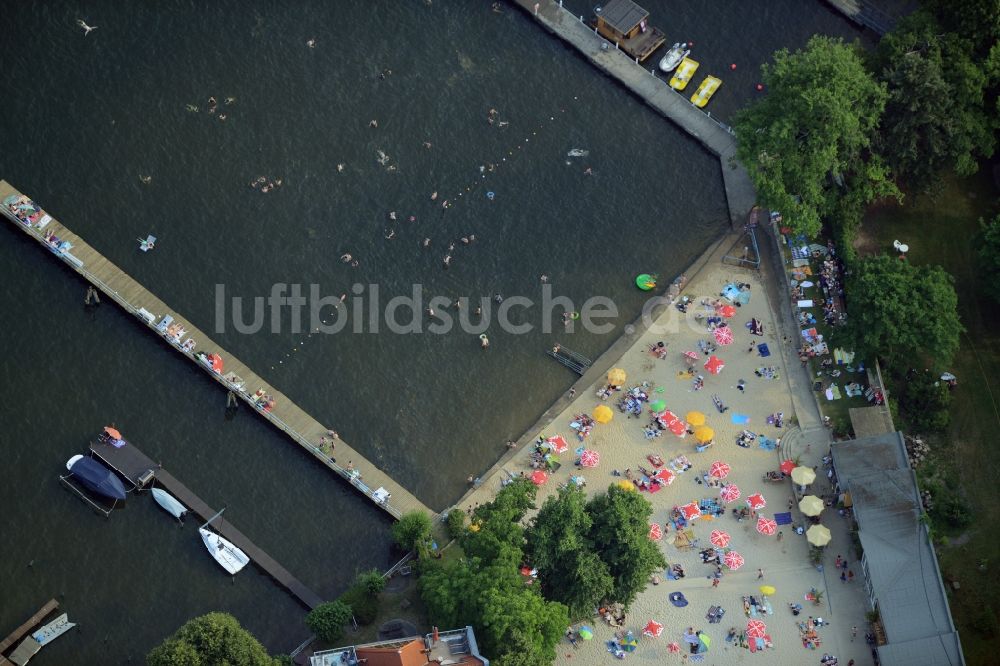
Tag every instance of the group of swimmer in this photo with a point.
(493, 116)
(213, 105)
(265, 185)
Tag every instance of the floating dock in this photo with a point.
(303, 429)
(578, 363)
(136, 466)
(19, 633)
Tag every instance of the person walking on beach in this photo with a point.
(854, 632)
(760, 574)
(843, 576)
(840, 560)
(715, 582)
(850, 576)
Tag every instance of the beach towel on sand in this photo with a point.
(740, 419)
(763, 350)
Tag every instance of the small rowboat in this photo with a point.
(169, 503)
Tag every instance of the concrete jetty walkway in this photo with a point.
(717, 138)
(303, 429)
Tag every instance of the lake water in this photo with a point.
(86, 116)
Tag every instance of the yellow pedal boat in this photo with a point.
(682, 76)
(705, 91)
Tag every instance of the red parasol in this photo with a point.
(112, 432)
(727, 311)
(670, 421)
(590, 458)
(730, 493)
(538, 477)
(766, 526)
(756, 629)
(653, 629)
(733, 560)
(719, 538)
(724, 335)
(690, 357)
(786, 466)
(756, 502)
(558, 444)
(714, 364)
(655, 531)
(691, 511)
(719, 469)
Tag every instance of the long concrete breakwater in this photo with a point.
(264, 399)
(712, 135)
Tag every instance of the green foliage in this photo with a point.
(371, 581)
(806, 144)
(924, 401)
(989, 256)
(497, 535)
(327, 620)
(412, 530)
(620, 535)
(937, 118)
(364, 606)
(456, 523)
(215, 638)
(977, 20)
(899, 312)
(568, 568)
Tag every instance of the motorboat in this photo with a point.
(96, 477)
(705, 91)
(169, 503)
(229, 557)
(683, 75)
(673, 56)
(53, 630)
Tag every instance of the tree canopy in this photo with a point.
(807, 143)
(412, 530)
(901, 312)
(209, 640)
(559, 547)
(327, 620)
(989, 256)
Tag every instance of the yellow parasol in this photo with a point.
(704, 434)
(803, 476)
(616, 377)
(818, 535)
(695, 418)
(603, 414)
(811, 505)
(766, 590)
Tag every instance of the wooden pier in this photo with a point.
(288, 417)
(19, 633)
(136, 466)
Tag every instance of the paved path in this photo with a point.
(716, 138)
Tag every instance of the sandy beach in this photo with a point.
(623, 445)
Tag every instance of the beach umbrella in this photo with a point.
(766, 590)
(695, 418)
(756, 502)
(811, 505)
(719, 469)
(629, 643)
(818, 535)
(730, 493)
(719, 538)
(603, 414)
(585, 632)
(766, 526)
(756, 629)
(625, 484)
(658, 405)
(691, 511)
(724, 335)
(674, 647)
(539, 477)
(803, 475)
(616, 377)
(733, 560)
(714, 364)
(690, 357)
(590, 458)
(664, 476)
(704, 434)
(655, 532)
(557, 444)
(112, 432)
(786, 466)
(670, 421)
(727, 311)
(653, 629)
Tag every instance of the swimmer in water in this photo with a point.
(544, 279)
(412, 218)
(354, 264)
(340, 167)
(373, 123)
(588, 172)
(229, 100)
(498, 298)
(446, 204)
(146, 180)
(479, 311)
(346, 258)
(430, 311)
(434, 195)
(447, 260)
(212, 104)
(504, 123)
(311, 43)
(484, 342)
(392, 215)
(391, 234)
(425, 242)
(427, 145)
(192, 108)
(465, 240)
(451, 247)
(343, 297)
(222, 116)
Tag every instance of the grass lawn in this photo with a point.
(942, 231)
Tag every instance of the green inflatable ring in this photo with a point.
(646, 281)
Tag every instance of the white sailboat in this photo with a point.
(229, 557)
(169, 503)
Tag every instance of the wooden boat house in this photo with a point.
(625, 23)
